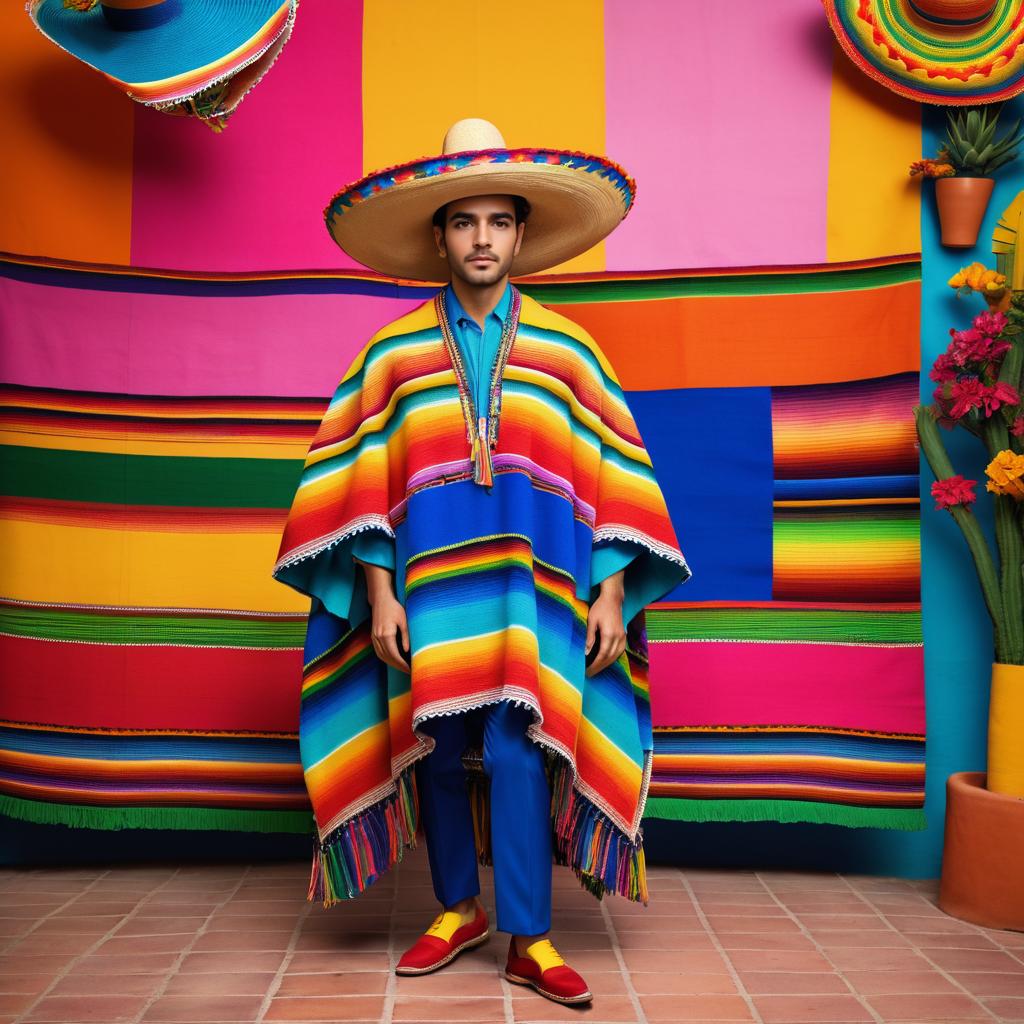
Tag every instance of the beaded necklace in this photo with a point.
(481, 431)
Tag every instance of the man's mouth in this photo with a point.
(481, 259)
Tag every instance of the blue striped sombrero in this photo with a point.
(193, 57)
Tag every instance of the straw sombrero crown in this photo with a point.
(197, 58)
(950, 52)
(384, 219)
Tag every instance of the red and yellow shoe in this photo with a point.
(443, 941)
(544, 969)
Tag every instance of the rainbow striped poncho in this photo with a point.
(494, 521)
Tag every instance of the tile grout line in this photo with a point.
(924, 956)
(722, 951)
(282, 967)
(627, 978)
(875, 1015)
(188, 946)
(387, 1014)
(96, 945)
(14, 940)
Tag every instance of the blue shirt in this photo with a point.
(479, 349)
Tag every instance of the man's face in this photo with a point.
(480, 238)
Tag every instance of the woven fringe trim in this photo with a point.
(905, 819)
(599, 853)
(358, 852)
(224, 819)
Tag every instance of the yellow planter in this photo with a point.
(1006, 731)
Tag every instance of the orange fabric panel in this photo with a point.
(67, 165)
(743, 341)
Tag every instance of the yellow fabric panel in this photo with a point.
(66, 171)
(426, 66)
(873, 203)
(89, 565)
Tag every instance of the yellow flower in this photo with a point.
(979, 278)
(1005, 472)
(957, 280)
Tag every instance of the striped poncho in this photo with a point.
(493, 543)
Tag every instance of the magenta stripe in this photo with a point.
(252, 197)
(706, 683)
(721, 113)
(138, 343)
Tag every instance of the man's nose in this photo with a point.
(483, 236)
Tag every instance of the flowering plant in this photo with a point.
(978, 278)
(978, 381)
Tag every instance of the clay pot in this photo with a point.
(962, 203)
(1000, 304)
(982, 854)
(1005, 730)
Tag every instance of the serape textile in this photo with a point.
(494, 544)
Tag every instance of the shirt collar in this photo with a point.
(457, 313)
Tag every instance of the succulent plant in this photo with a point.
(973, 149)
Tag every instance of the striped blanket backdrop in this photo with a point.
(170, 345)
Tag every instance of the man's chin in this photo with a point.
(482, 276)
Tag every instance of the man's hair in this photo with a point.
(522, 208)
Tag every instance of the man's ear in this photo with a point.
(439, 240)
(520, 230)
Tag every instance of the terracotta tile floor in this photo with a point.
(233, 943)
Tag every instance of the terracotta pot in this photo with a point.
(1000, 304)
(962, 203)
(1005, 732)
(982, 854)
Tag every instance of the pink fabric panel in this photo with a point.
(287, 345)
(753, 81)
(252, 196)
(853, 687)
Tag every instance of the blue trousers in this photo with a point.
(520, 815)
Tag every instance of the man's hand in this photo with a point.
(389, 619)
(605, 625)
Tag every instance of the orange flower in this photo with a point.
(1005, 474)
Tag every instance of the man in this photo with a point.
(497, 565)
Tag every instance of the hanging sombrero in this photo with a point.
(950, 52)
(196, 58)
(384, 219)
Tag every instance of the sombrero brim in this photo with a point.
(202, 44)
(384, 219)
(950, 65)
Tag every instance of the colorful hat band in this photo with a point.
(381, 181)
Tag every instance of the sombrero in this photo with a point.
(384, 219)
(949, 52)
(190, 57)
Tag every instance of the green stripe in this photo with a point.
(225, 819)
(976, 45)
(832, 531)
(806, 626)
(192, 630)
(815, 812)
(795, 283)
(148, 479)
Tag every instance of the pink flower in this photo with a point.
(967, 394)
(998, 394)
(944, 369)
(1017, 428)
(953, 491)
(990, 322)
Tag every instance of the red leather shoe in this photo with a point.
(443, 941)
(546, 971)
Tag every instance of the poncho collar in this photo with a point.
(481, 426)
